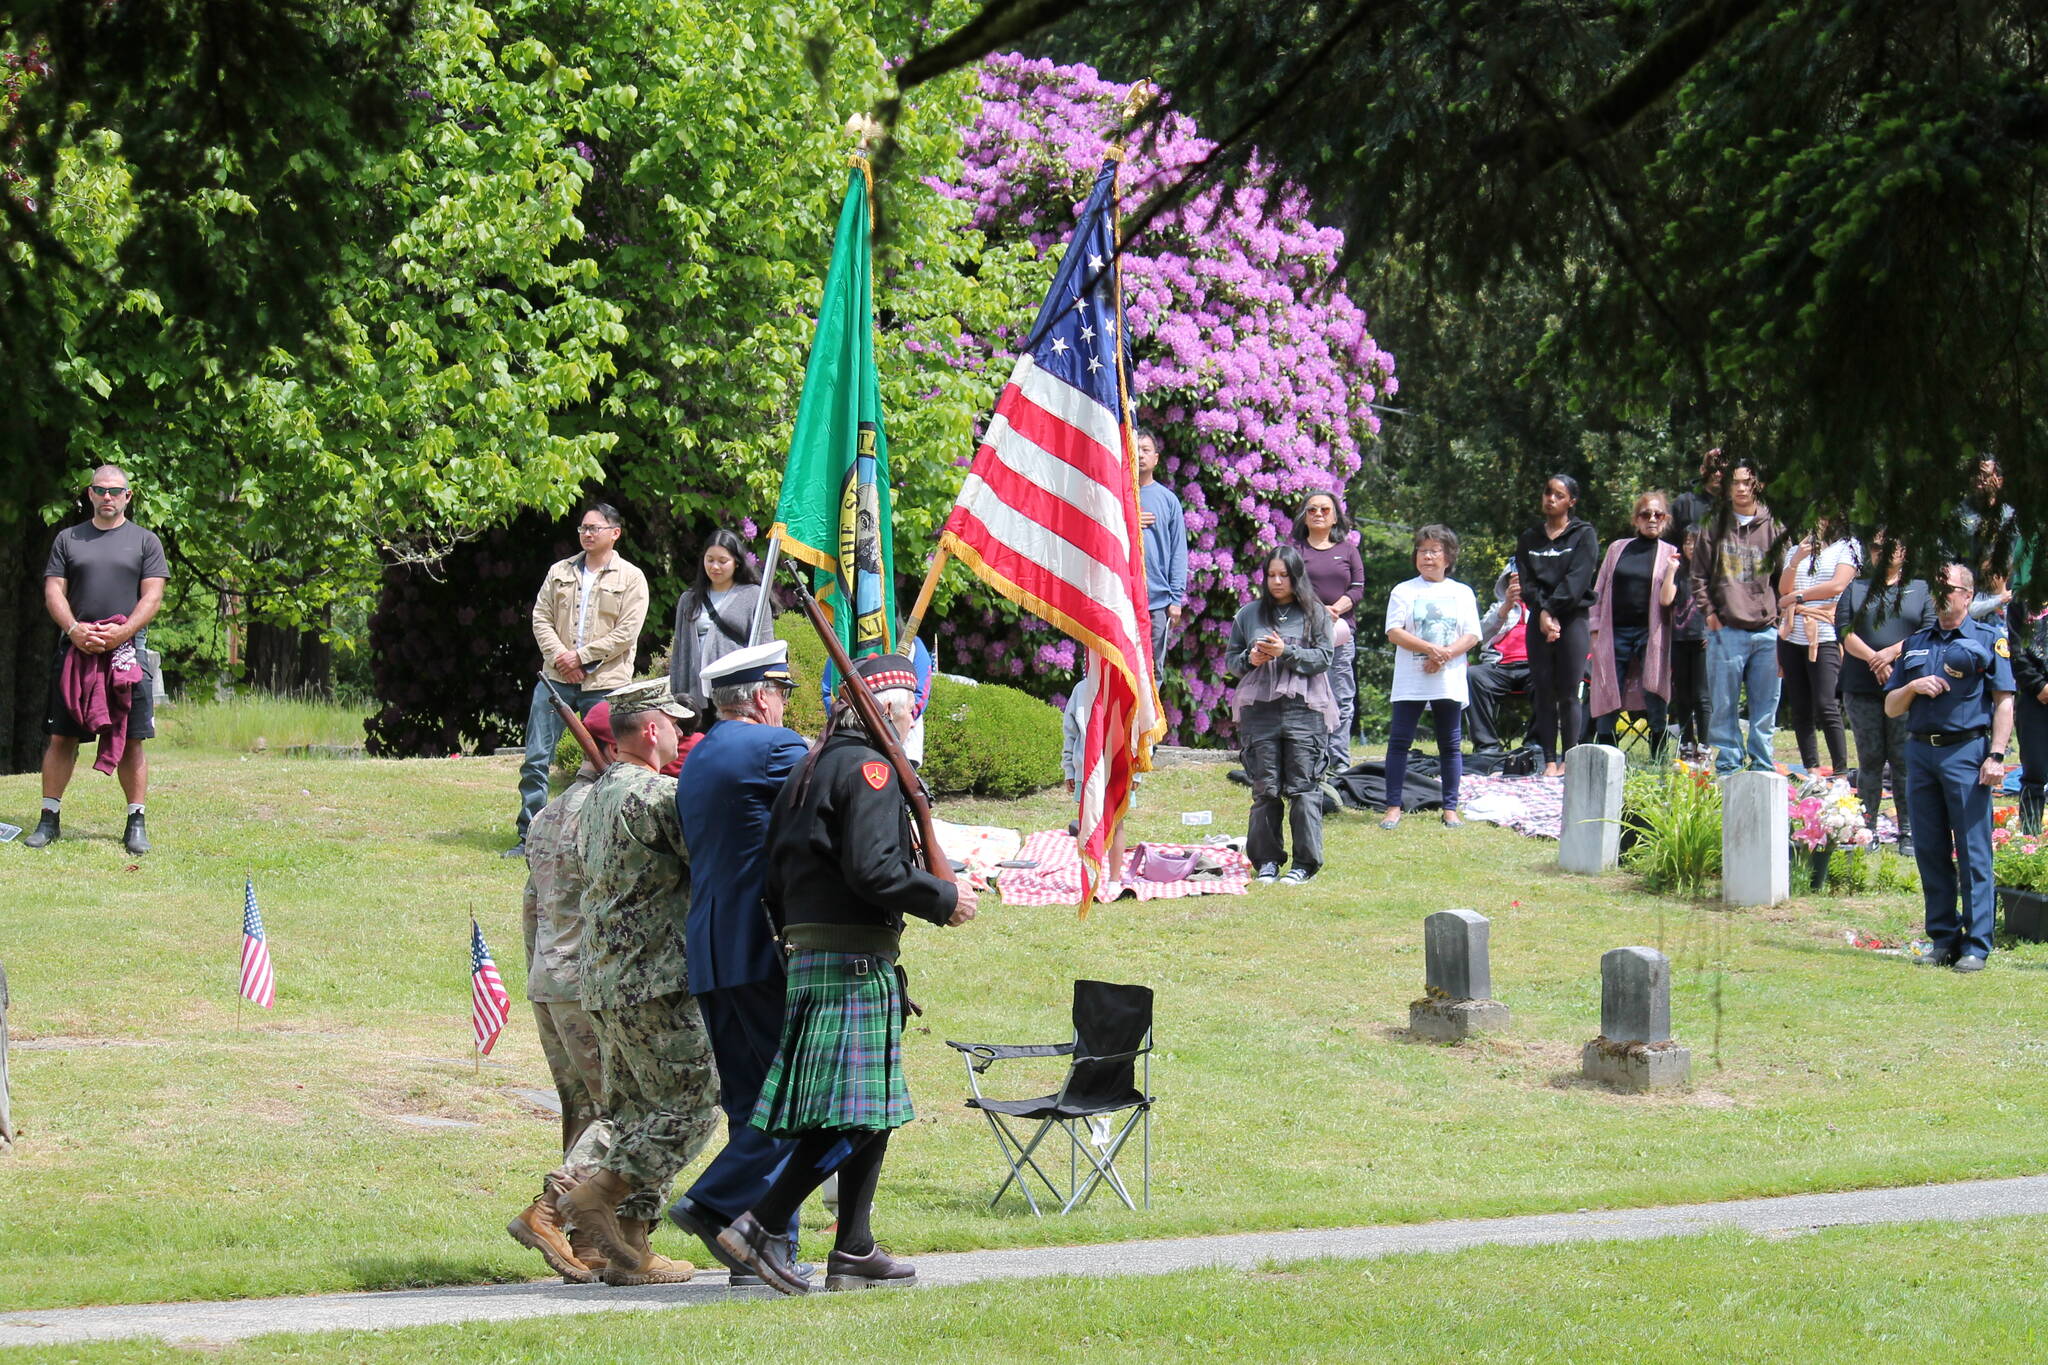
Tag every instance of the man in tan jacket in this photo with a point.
(586, 621)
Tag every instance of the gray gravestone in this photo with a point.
(1458, 979)
(1635, 1050)
(1454, 949)
(1635, 996)
(1589, 839)
(1755, 839)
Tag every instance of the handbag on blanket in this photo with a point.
(1150, 862)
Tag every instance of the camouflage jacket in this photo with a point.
(552, 913)
(637, 895)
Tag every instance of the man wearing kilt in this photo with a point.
(842, 874)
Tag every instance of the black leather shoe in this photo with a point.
(46, 832)
(762, 1253)
(1970, 963)
(876, 1270)
(705, 1229)
(136, 840)
(747, 1279)
(1938, 957)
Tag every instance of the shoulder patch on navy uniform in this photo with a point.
(877, 774)
(2004, 649)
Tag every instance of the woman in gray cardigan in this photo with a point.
(716, 616)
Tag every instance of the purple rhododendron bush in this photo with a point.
(1255, 370)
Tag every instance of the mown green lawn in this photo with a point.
(171, 1154)
(1907, 1294)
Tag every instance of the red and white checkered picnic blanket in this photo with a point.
(1057, 878)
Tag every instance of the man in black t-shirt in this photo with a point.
(103, 584)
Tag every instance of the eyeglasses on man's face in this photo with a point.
(591, 528)
(107, 490)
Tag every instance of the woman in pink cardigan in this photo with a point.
(1631, 635)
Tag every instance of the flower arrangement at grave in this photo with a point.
(2019, 862)
(1826, 817)
(1257, 372)
(1825, 814)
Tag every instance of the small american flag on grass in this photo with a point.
(259, 983)
(488, 1002)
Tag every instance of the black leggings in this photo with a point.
(2030, 727)
(1555, 669)
(856, 1155)
(1809, 700)
(1689, 690)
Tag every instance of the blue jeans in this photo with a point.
(1344, 687)
(1739, 661)
(543, 732)
(1631, 644)
(1401, 737)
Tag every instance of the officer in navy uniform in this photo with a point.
(1954, 685)
(723, 796)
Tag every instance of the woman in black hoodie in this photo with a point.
(1557, 558)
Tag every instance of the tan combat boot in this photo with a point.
(592, 1208)
(654, 1268)
(540, 1228)
(587, 1251)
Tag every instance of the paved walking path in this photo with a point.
(232, 1321)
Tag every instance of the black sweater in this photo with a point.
(841, 875)
(1557, 575)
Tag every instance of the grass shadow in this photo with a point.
(377, 1274)
(483, 841)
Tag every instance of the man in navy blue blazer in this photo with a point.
(727, 787)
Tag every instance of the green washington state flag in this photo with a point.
(834, 511)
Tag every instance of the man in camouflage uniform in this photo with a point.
(552, 921)
(658, 1080)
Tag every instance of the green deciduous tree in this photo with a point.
(1816, 228)
(164, 157)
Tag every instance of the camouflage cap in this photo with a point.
(649, 694)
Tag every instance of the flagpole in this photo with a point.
(915, 621)
(767, 588)
(248, 878)
(863, 128)
(476, 1055)
(1141, 95)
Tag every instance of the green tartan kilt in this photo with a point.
(840, 1064)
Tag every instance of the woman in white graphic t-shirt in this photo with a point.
(1433, 624)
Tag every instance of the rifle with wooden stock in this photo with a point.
(880, 731)
(575, 724)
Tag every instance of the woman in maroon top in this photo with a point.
(1337, 574)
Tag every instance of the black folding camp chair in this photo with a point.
(1112, 1032)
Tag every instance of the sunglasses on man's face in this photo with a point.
(113, 492)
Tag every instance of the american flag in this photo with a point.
(487, 999)
(259, 983)
(1048, 515)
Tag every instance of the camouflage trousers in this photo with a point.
(660, 1093)
(569, 1041)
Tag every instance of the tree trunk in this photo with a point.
(27, 640)
(279, 659)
